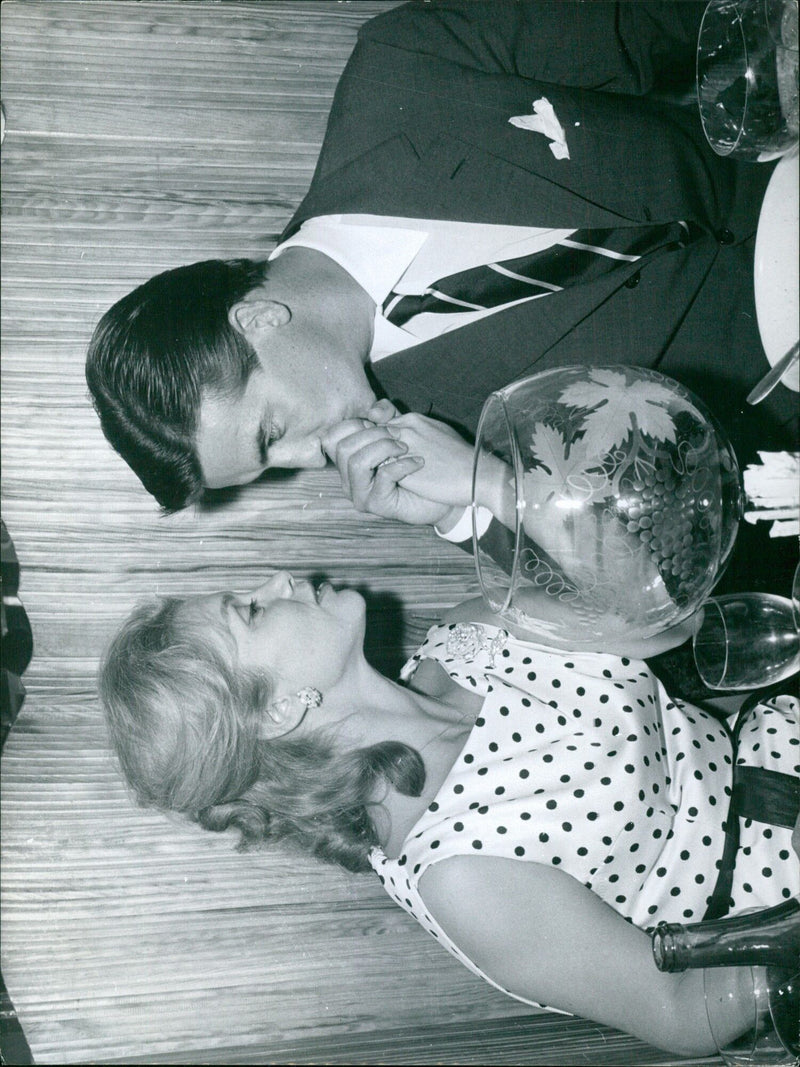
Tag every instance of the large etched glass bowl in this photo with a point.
(616, 500)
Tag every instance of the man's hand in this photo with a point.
(372, 463)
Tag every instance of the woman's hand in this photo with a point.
(445, 475)
(373, 461)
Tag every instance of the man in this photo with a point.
(423, 175)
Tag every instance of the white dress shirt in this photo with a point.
(385, 254)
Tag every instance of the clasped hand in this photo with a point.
(405, 467)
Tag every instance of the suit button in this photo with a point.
(725, 237)
(634, 280)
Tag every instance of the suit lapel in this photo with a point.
(451, 375)
(441, 177)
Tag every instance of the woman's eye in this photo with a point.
(253, 610)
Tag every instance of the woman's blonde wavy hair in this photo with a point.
(184, 722)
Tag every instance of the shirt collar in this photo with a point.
(375, 256)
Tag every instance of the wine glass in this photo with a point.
(747, 66)
(772, 1037)
(748, 640)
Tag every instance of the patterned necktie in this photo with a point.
(583, 256)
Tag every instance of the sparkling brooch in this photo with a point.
(467, 639)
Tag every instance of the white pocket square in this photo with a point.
(543, 120)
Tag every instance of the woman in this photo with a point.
(536, 810)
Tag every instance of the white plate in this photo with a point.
(776, 273)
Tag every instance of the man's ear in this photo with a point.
(257, 312)
(281, 717)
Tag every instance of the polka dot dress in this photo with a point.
(581, 761)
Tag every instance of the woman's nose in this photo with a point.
(280, 585)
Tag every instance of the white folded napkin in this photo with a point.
(773, 491)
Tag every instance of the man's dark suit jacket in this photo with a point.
(419, 128)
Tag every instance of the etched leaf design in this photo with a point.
(619, 407)
(550, 449)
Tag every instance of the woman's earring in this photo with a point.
(310, 697)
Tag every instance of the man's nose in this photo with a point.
(305, 454)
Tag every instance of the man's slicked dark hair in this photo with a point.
(150, 359)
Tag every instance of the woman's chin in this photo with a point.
(341, 601)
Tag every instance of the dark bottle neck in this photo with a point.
(770, 937)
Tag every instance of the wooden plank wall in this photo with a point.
(141, 136)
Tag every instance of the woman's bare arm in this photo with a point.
(542, 935)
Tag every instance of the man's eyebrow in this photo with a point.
(262, 442)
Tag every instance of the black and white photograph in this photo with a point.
(400, 532)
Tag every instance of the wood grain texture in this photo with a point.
(141, 136)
